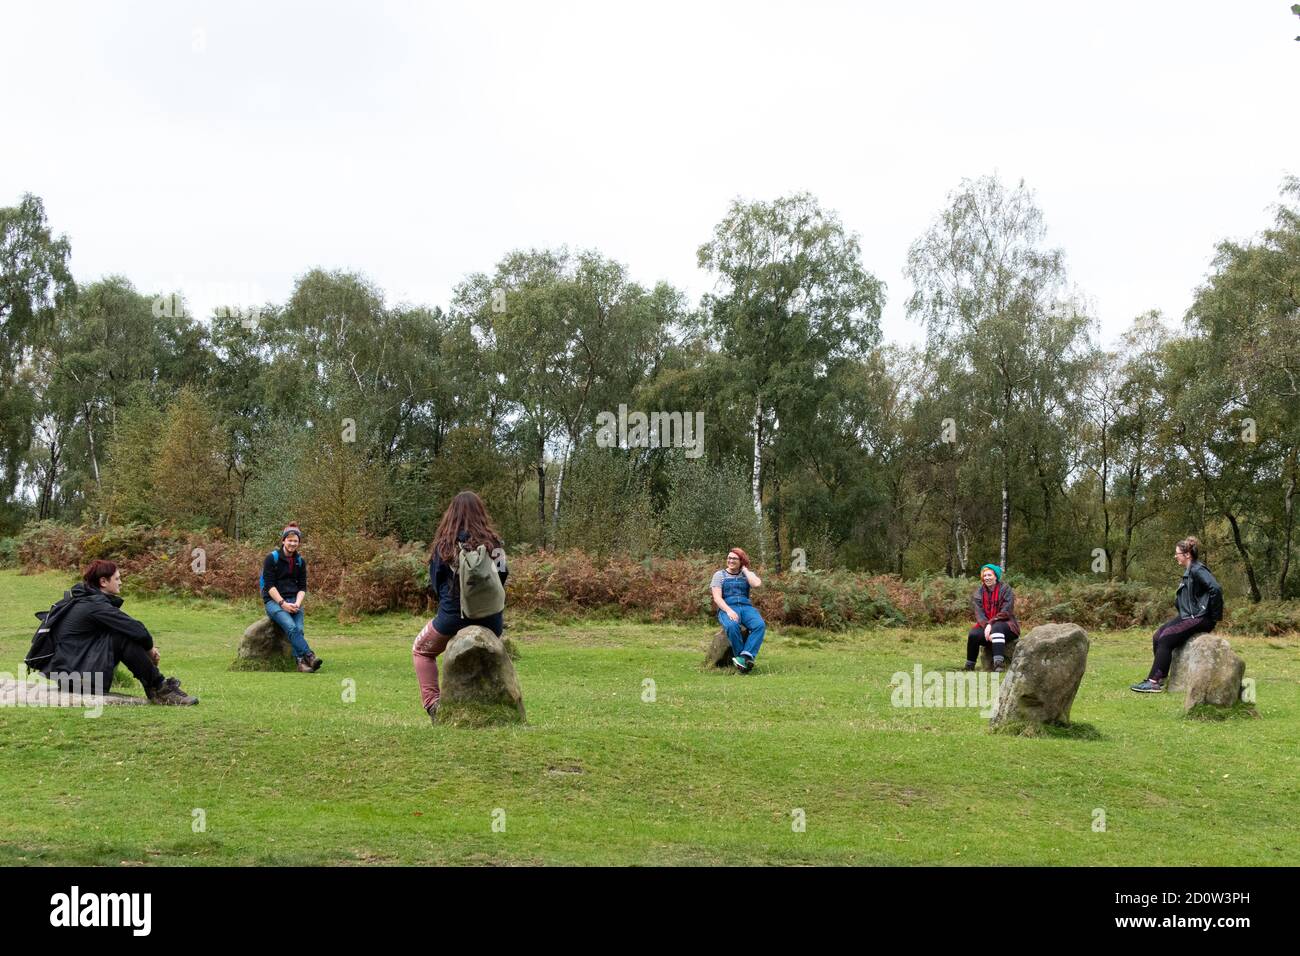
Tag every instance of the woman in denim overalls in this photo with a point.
(730, 589)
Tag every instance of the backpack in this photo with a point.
(45, 641)
(481, 592)
(261, 575)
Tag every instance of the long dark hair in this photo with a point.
(465, 513)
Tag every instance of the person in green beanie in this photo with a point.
(994, 604)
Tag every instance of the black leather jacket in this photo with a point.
(1199, 594)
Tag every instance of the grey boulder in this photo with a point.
(1040, 684)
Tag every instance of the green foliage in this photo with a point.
(365, 574)
(608, 509)
(125, 410)
(1267, 618)
(708, 508)
(50, 545)
(391, 579)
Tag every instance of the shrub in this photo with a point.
(1267, 618)
(393, 578)
(367, 575)
(49, 544)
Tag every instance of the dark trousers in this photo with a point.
(998, 636)
(1170, 635)
(137, 660)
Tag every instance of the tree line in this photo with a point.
(1012, 434)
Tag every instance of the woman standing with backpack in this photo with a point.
(465, 542)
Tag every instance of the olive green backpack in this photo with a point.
(481, 592)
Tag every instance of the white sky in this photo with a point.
(226, 148)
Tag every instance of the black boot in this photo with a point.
(169, 693)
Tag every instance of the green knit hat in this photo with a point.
(994, 568)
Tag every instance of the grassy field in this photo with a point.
(711, 771)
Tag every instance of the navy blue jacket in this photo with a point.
(444, 586)
(276, 574)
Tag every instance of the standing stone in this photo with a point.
(478, 681)
(1209, 670)
(1044, 676)
(264, 647)
(720, 652)
(36, 691)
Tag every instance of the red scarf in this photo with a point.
(990, 600)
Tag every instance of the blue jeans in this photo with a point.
(749, 618)
(291, 624)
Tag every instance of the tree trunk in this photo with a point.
(776, 522)
(1255, 596)
(960, 545)
(758, 475)
(559, 485)
(90, 439)
(950, 537)
(1289, 510)
(541, 491)
(1105, 503)
(758, 458)
(1006, 513)
(47, 486)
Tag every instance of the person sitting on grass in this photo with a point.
(730, 588)
(1199, 600)
(995, 618)
(284, 589)
(465, 526)
(94, 635)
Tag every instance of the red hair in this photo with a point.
(98, 569)
(740, 553)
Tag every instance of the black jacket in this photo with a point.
(84, 637)
(276, 574)
(1199, 594)
(443, 586)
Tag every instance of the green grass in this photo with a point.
(286, 771)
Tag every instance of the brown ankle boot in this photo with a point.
(304, 666)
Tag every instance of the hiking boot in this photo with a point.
(999, 664)
(314, 661)
(304, 665)
(432, 711)
(970, 666)
(169, 693)
(1149, 686)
